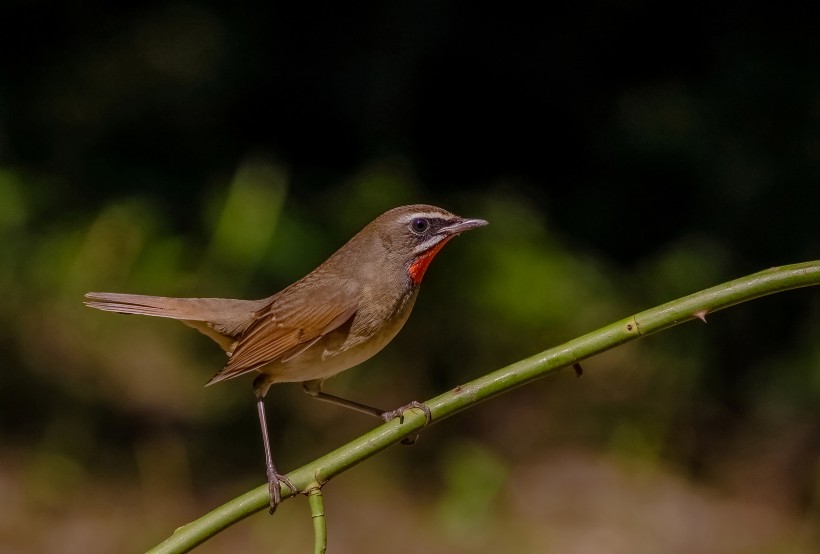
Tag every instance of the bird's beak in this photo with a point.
(460, 225)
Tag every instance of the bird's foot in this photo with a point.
(275, 488)
(399, 412)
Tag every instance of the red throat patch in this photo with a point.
(419, 265)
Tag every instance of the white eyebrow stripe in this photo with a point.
(429, 215)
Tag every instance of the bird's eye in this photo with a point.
(419, 225)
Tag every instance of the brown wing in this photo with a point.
(293, 321)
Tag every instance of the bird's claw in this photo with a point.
(399, 412)
(275, 488)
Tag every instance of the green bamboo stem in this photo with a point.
(317, 512)
(315, 474)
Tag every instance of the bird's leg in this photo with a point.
(273, 477)
(314, 389)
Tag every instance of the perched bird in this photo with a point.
(333, 318)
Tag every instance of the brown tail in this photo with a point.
(222, 319)
(195, 309)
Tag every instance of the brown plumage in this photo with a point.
(334, 318)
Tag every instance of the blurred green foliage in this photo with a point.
(194, 149)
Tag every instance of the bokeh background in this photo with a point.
(625, 153)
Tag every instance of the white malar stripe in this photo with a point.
(428, 244)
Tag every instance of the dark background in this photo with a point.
(625, 154)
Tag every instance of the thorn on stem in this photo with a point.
(701, 315)
(408, 441)
(578, 369)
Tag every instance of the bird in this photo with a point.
(334, 318)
